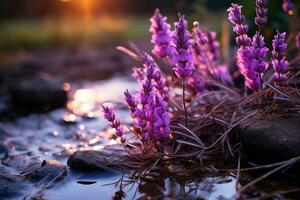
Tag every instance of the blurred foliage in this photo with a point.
(30, 34)
(38, 24)
(277, 18)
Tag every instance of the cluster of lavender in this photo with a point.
(192, 55)
(245, 52)
(149, 108)
(279, 60)
(251, 56)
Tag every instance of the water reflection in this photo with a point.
(110, 185)
(86, 100)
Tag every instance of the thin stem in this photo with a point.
(261, 81)
(183, 101)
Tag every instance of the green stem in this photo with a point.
(183, 101)
(261, 81)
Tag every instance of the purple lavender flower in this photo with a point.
(195, 83)
(246, 54)
(199, 43)
(199, 34)
(205, 47)
(261, 12)
(153, 73)
(288, 6)
(160, 85)
(222, 74)
(259, 54)
(183, 56)
(110, 116)
(251, 61)
(205, 43)
(246, 65)
(298, 40)
(138, 74)
(144, 111)
(153, 88)
(279, 61)
(161, 126)
(161, 35)
(240, 28)
(213, 45)
(131, 102)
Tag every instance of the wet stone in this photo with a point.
(49, 170)
(108, 159)
(38, 94)
(272, 139)
(11, 185)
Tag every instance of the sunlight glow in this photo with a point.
(84, 101)
(291, 12)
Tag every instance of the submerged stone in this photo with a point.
(49, 169)
(273, 138)
(108, 159)
(11, 185)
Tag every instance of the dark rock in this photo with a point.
(108, 159)
(49, 169)
(271, 139)
(3, 148)
(11, 185)
(38, 94)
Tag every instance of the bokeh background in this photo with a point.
(32, 24)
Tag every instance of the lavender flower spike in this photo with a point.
(213, 45)
(110, 116)
(240, 28)
(245, 64)
(279, 61)
(199, 35)
(130, 101)
(259, 54)
(261, 12)
(298, 40)
(144, 111)
(154, 73)
(199, 44)
(161, 125)
(161, 35)
(183, 57)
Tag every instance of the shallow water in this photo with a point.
(57, 134)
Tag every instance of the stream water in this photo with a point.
(59, 133)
